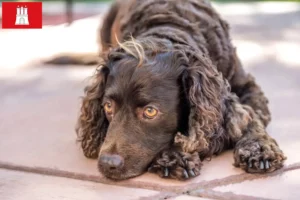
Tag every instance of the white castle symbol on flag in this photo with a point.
(22, 16)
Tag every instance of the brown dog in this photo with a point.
(174, 95)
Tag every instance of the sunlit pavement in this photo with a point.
(39, 158)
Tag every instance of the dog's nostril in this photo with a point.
(112, 168)
(111, 161)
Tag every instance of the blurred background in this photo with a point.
(39, 103)
(266, 34)
(251, 20)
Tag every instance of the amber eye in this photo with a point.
(108, 107)
(150, 112)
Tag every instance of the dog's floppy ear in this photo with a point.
(92, 123)
(203, 86)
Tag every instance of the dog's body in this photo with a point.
(174, 95)
(192, 23)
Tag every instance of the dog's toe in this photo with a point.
(166, 172)
(176, 165)
(259, 157)
(267, 164)
(185, 174)
(192, 173)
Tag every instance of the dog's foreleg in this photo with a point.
(255, 150)
(249, 92)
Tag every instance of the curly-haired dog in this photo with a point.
(172, 96)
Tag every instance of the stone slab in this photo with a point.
(38, 115)
(27, 186)
(285, 186)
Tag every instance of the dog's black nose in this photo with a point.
(111, 161)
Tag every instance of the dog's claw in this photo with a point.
(267, 164)
(250, 164)
(166, 172)
(192, 173)
(261, 165)
(185, 174)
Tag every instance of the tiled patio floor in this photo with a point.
(40, 160)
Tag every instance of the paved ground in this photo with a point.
(40, 160)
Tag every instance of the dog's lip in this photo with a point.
(119, 176)
(112, 173)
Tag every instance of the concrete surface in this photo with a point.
(39, 156)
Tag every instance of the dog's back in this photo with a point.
(191, 22)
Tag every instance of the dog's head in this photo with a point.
(140, 98)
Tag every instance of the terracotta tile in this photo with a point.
(284, 186)
(37, 118)
(26, 186)
(286, 125)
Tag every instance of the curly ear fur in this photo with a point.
(205, 90)
(92, 123)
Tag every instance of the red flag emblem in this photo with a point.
(22, 15)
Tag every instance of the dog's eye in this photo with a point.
(108, 107)
(150, 112)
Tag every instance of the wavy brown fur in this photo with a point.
(92, 124)
(226, 107)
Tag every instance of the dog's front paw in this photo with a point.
(177, 165)
(258, 156)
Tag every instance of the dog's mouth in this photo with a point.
(118, 175)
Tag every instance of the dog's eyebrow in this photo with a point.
(157, 94)
(112, 93)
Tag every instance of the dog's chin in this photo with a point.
(118, 175)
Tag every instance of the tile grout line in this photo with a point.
(83, 177)
(160, 196)
(208, 192)
(234, 179)
(179, 190)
